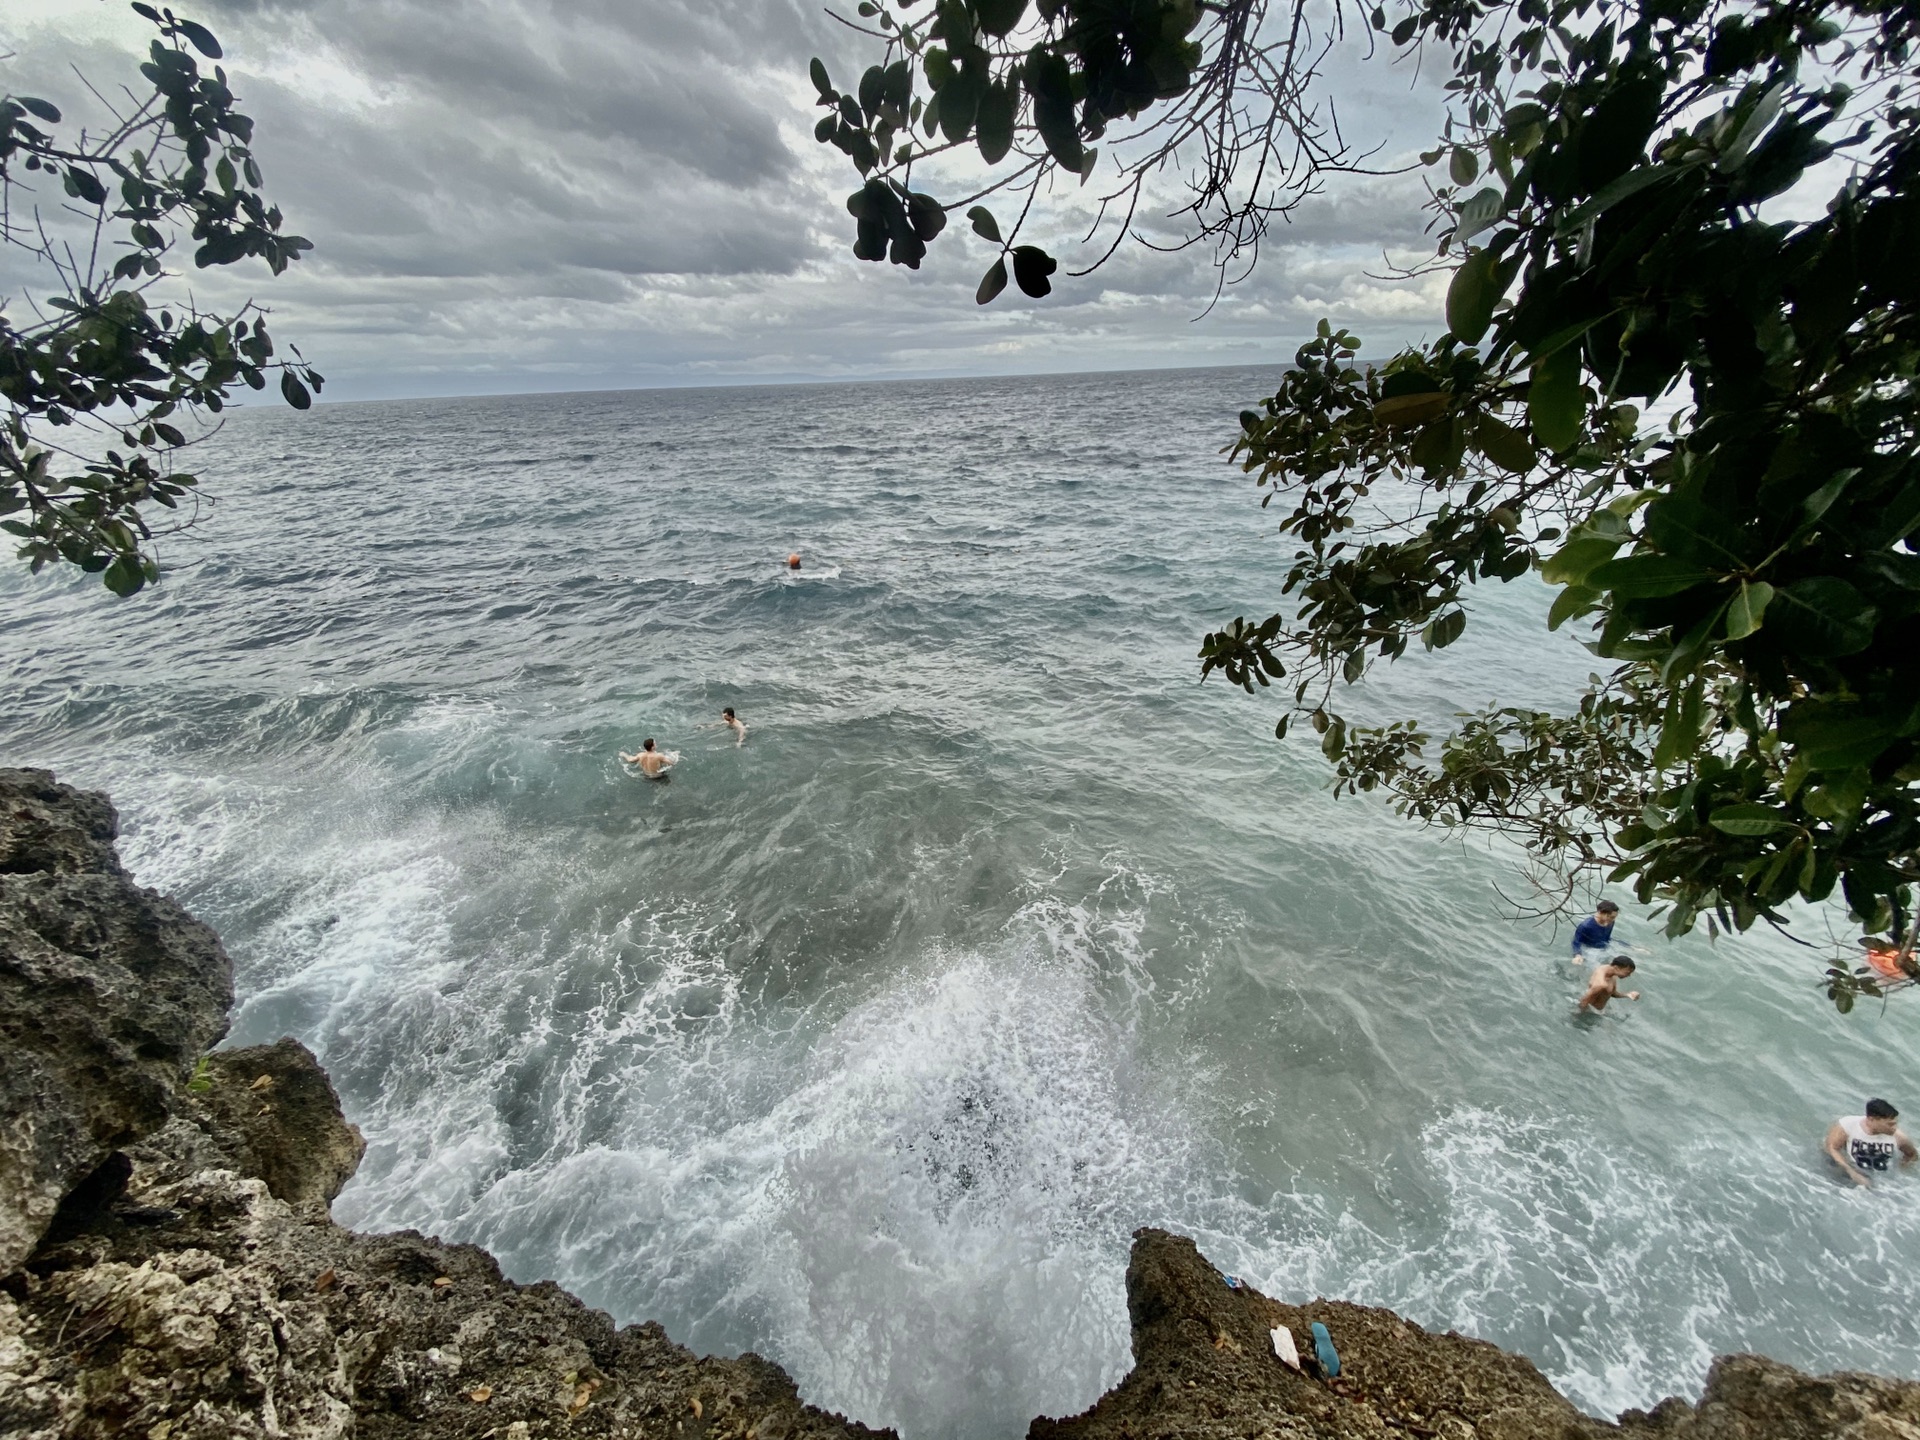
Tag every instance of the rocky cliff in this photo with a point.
(168, 1269)
(1205, 1369)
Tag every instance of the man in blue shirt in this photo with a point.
(1596, 932)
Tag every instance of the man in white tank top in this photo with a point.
(1866, 1145)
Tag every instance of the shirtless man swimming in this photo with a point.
(733, 723)
(652, 763)
(1605, 985)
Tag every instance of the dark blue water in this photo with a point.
(866, 1044)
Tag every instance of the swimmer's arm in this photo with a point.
(1599, 988)
(1908, 1152)
(1837, 1152)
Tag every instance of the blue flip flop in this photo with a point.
(1324, 1352)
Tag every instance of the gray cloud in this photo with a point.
(513, 194)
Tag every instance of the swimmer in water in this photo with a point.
(1596, 933)
(1606, 984)
(793, 561)
(652, 763)
(733, 723)
(1867, 1145)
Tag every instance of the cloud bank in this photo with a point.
(512, 195)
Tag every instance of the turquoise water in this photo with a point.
(867, 1044)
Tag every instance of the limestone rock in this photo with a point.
(108, 995)
(200, 1307)
(268, 1111)
(1204, 1367)
(1749, 1397)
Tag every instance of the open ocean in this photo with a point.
(866, 1045)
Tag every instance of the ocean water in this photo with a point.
(866, 1044)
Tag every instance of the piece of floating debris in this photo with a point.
(1284, 1347)
(1234, 1282)
(1324, 1352)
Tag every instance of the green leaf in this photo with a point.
(926, 215)
(124, 576)
(1404, 410)
(1031, 267)
(1463, 166)
(1503, 445)
(817, 72)
(199, 37)
(1478, 211)
(38, 108)
(295, 393)
(1822, 618)
(984, 225)
(1050, 81)
(1571, 602)
(1743, 615)
(1835, 735)
(1682, 525)
(1612, 193)
(1471, 296)
(1443, 630)
(1646, 576)
(1749, 820)
(85, 185)
(998, 17)
(1577, 558)
(1555, 407)
(992, 283)
(994, 122)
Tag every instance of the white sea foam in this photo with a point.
(869, 1044)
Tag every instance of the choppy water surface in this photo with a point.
(868, 1044)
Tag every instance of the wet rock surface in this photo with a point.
(108, 995)
(268, 1111)
(205, 1307)
(1204, 1366)
(174, 1274)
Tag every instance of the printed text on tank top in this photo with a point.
(1866, 1150)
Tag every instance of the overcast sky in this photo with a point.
(511, 195)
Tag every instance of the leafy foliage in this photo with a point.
(1034, 87)
(1747, 568)
(100, 359)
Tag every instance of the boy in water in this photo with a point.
(1605, 985)
(652, 763)
(732, 722)
(1864, 1145)
(1596, 932)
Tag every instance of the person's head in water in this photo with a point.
(727, 714)
(1624, 965)
(793, 561)
(1882, 1118)
(647, 744)
(1605, 912)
